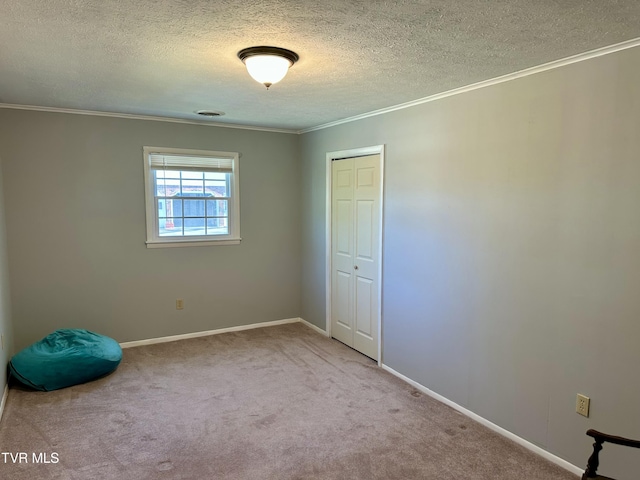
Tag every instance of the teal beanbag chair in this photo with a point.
(64, 358)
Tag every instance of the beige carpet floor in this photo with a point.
(272, 403)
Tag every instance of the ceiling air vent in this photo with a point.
(209, 113)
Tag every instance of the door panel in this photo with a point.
(343, 300)
(366, 176)
(344, 209)
(364, 230)
(343, 179)
(364, 312)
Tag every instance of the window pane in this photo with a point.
(217, 226)
(162, 211)
(172, 189)
(194, 208)
(188, 174)
(170, 227)
(217, 188)
(192, 186)
(165, 187)
(215, 176)
(173, 207)
(217, 208)
(167, 183)
(194, 226)
(161, 190)
(167, 174)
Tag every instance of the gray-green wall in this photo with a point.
(6, 325)
(74, 198)
(511, 259)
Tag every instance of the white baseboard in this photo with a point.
(173, 338)
(492, 426)
(3, 402)
(313, 327)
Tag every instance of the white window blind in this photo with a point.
(159, 161)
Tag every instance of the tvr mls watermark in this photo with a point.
(35, 458)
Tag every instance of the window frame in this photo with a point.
(154, 240)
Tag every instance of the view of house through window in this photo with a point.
(192, 203)
(191, 196)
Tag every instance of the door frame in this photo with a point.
(338, 155)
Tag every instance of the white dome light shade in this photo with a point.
(267, 69)
(267, 65)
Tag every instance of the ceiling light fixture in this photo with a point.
(267, 65)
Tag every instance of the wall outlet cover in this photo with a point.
(582, 405)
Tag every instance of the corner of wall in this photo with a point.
(5, 312)
(313, 327)
(3, 402)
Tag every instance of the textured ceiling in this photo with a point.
(170, 58)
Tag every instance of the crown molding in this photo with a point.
(143, 117)
(486, 83)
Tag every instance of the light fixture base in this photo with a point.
(245, 53)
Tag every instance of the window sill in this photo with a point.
(193, 243)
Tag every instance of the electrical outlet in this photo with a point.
(179, 304)
(582, 405)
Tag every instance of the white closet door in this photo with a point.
(355, 252)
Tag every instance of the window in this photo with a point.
(192, 197)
